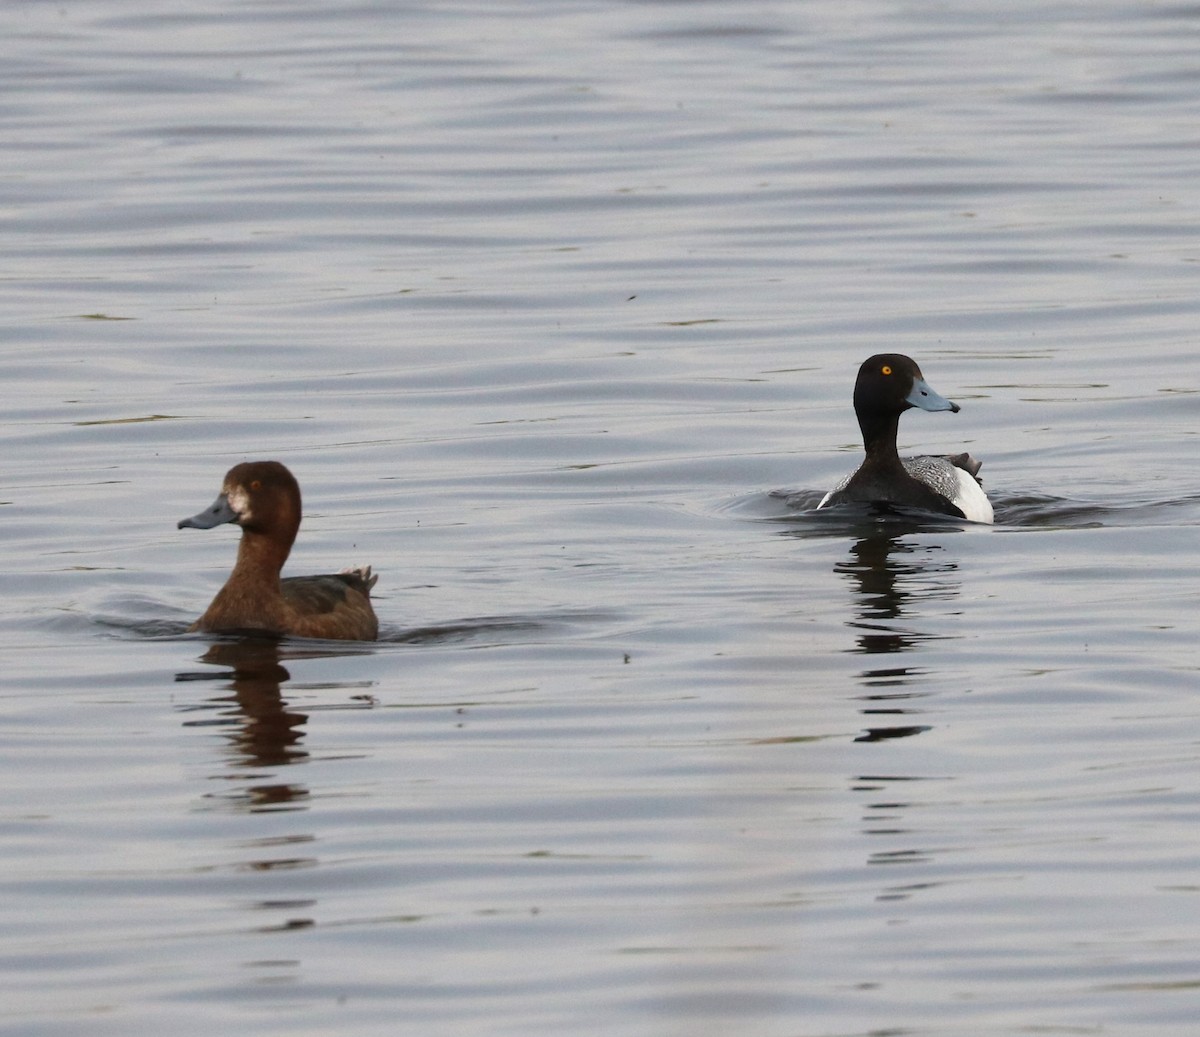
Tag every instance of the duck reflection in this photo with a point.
(263, 731)
(894, 572)
(889, 573)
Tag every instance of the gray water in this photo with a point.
(555, 309)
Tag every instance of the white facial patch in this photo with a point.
(239, 501)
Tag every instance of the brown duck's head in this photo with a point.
(260, 496)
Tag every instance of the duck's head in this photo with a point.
(260, 496)
(890, 383)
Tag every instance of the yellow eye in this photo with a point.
(886, 369)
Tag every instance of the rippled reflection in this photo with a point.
(890, 575)
(262, 730)
(893, 574)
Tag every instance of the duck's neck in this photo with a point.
(879, 435)
(259, 558)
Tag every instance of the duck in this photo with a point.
(263, 497)
(888, 384)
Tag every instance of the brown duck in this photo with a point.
(263, 498)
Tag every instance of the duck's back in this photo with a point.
(948, 485)
(335, 606)
(955, 478)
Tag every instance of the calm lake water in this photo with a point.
(555, 308)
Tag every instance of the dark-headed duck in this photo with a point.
(887, 386)
(263, 498)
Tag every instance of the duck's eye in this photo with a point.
(886, 369)
(256, 484)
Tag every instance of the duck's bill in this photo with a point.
(923, 395)
(219, 513)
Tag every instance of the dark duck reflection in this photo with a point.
(889, 575)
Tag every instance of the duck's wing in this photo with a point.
(953, 478)
(316, 595)
(335, 606)
(937, 472)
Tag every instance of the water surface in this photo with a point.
(554, 309)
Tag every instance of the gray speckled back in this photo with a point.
(936, 472)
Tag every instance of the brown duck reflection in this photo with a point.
(262, 731)
(890, 574)
(269, 734)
